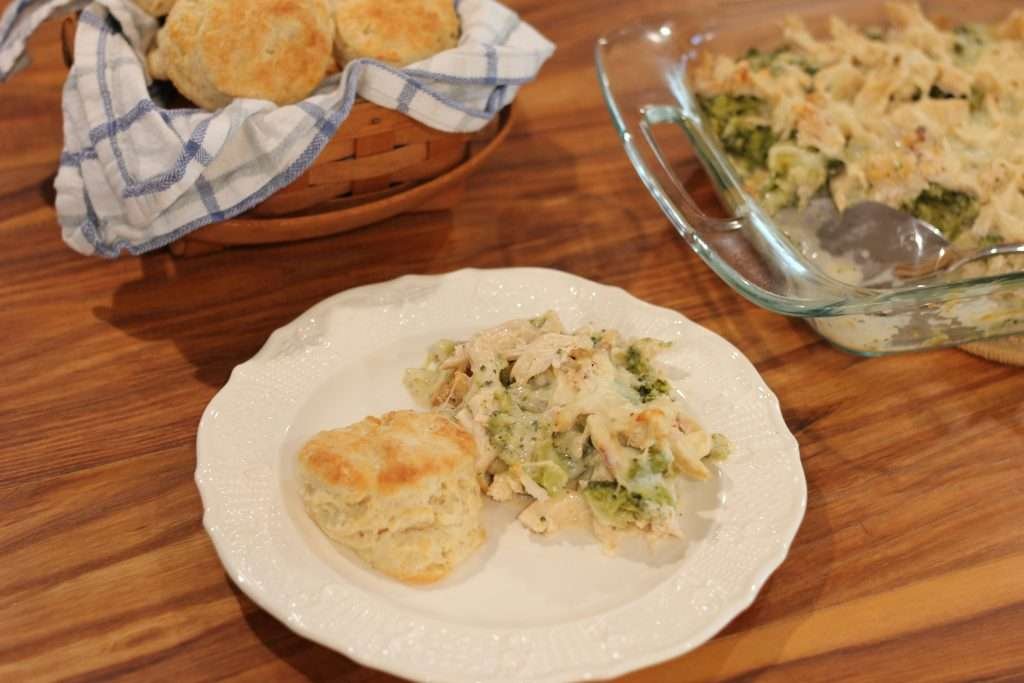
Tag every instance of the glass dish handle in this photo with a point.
(756, 257)
(652, 115)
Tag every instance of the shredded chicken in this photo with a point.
(579, 421)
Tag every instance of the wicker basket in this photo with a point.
(379, 164)
(1008, 350)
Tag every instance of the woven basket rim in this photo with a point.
(1007, 350)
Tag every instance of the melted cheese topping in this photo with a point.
(577, 420)
(903, 109)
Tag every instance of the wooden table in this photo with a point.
(909, 564)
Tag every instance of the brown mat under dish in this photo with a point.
(1009, 350)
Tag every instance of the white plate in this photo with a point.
(524, 608)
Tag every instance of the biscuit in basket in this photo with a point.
(217, 50)
(156, 8)
(399, 490)
(398, 32)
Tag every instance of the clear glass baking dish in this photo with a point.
(642, 71)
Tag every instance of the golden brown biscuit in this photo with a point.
(157, 8)
(218, 50)
(398, 32)
(399, 490)
(175, 55)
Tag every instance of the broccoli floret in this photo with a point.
(968, 42)
(651, 389)
(658, 461)
(728, 117)
(976, 97)
(501, 432)
(721, 447)
(789, 57)
(796, 174)
(876, 33)
(612, 504)
(648, 384)
(549, 475)
(834, 167)
(759, 60)
(948, 210)
(937, 93)
(551, 465)
(722, 110)
(636, 362)
(749, 143)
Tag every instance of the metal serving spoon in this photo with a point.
(893, 245)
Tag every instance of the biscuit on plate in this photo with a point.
(398, 32)
(399, 490)
(156, 8)
(217, 50)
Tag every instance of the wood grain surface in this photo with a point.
(908, 566)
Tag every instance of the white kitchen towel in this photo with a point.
(135, 176)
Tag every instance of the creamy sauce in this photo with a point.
(556, 513)
(916, 117)
(582, 421)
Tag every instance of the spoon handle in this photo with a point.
(951, 260)
(988, 252)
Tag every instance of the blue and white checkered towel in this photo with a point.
(135, 176)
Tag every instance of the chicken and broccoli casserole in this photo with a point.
(919, 117)
(583, 422)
